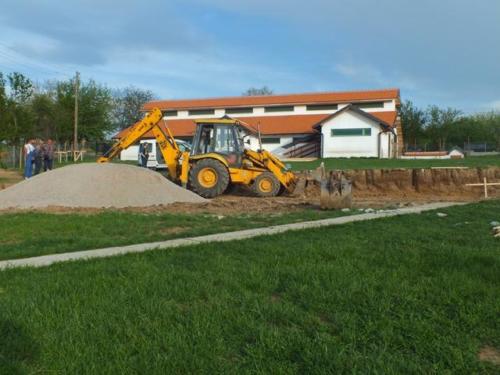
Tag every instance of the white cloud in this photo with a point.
(495, 105)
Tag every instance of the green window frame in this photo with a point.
(280, 108)
(233, 111)
(369, 105)
(268, 141)
(170, 113)
(354, 132)
(201, 112)
(322, 107)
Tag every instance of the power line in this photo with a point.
(14, 57)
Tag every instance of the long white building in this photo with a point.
(329, 124)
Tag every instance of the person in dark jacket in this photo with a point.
(38, 156)
(48, 155)
(144, 154)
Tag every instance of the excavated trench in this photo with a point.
(449, 182)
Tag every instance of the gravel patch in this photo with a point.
(96, 185)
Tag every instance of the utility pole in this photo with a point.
(75, 128)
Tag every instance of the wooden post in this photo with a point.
(485, 185)
(75, 130)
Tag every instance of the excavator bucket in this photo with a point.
(300, 186)
(335, 190)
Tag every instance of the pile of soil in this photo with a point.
(93, 185)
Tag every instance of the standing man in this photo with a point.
(48, 155)
(38, 156)
(144, 154)
(28, 157)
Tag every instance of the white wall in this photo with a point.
(354, 146)
(131, 153)
(389, 105)
(271, 147)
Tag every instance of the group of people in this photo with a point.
(38, 154)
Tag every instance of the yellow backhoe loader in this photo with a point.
(217, 161)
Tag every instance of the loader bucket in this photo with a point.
(336, 190)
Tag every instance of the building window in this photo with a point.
(322, 107)
(279, 108)
(170, 113)
(232, 111)
(267, 141)
(369, 105)
(351, 132)
(201, 112)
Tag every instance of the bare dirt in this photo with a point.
(490, 354)
(92, 185)
(371, 188)
(9, 178)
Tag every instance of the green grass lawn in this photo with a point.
(373, 163)
(401, 295)
(30, 234)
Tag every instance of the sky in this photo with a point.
(444, 52)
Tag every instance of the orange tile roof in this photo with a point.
(269, 125)
(307, 98)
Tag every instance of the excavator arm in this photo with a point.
(134, 134)
(169, 148)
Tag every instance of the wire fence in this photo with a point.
(467, 147)
(12, 156)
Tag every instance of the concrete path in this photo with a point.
(47, 260)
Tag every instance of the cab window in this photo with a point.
(225, 140)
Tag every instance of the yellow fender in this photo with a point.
(210, 155)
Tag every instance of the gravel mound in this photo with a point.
(96, 185)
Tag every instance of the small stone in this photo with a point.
(220, 217)
(346, 210)
(441, 214)
(495, 223)
(368, 210)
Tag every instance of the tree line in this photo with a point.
(435, 128)
(29, 110)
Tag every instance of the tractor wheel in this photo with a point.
(266, 185)
(209, 178)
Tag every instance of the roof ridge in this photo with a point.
(275, 95)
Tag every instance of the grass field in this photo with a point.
(373, 163)
(31, 234)
(409, 294)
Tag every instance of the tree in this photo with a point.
(43, 108)
(441, 124)
(127, 105)
(18, 109)
(3, 108)
(95, 105)
(413, 121)
(253, 91)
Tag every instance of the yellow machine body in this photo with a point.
(210, 173)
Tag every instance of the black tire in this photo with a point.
(209, 187)
(266, 185)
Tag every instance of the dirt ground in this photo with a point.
(236, 204)
(8, 178)
(382, 194)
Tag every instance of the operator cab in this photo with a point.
(219, 136)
